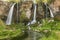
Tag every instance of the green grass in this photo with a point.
(15, 30)
(55, 25)
(54, 35)
(11, 31)
(52, 27)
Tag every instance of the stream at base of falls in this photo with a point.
(32, 35)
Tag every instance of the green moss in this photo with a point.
(2, 25)
(53, 36)
(10, 33)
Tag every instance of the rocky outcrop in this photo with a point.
(25, 11)
(56, 8)
(4, 8)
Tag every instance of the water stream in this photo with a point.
(32, 35)
(34, 16)
(9, 17)
(51, 13)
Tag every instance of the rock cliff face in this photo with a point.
(55, 5)
(26, 6)
(25, 11)
(56, 8)
(4, 8)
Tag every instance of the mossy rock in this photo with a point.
(23, 17)
(5, 34)
(57, 17)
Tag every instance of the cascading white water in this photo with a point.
(9, 17)
(34, 17)
(51, 13)
(32, 22)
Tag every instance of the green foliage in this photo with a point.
(45, 1)
(53, 36)
(15, 30)
(46, 25)
(9, 33)
(2, 25)
(23, 16)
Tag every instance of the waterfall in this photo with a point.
(51, 13)
(34, 16)
(32, 22)
(9, 17)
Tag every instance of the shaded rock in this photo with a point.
(40, 11)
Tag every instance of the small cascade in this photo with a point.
(9, 17)
(32, 22)
(51, 13)
(34, 17)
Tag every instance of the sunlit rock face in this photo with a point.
(26, 11)
(4, 8)
(55, 5)
(56, 8)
